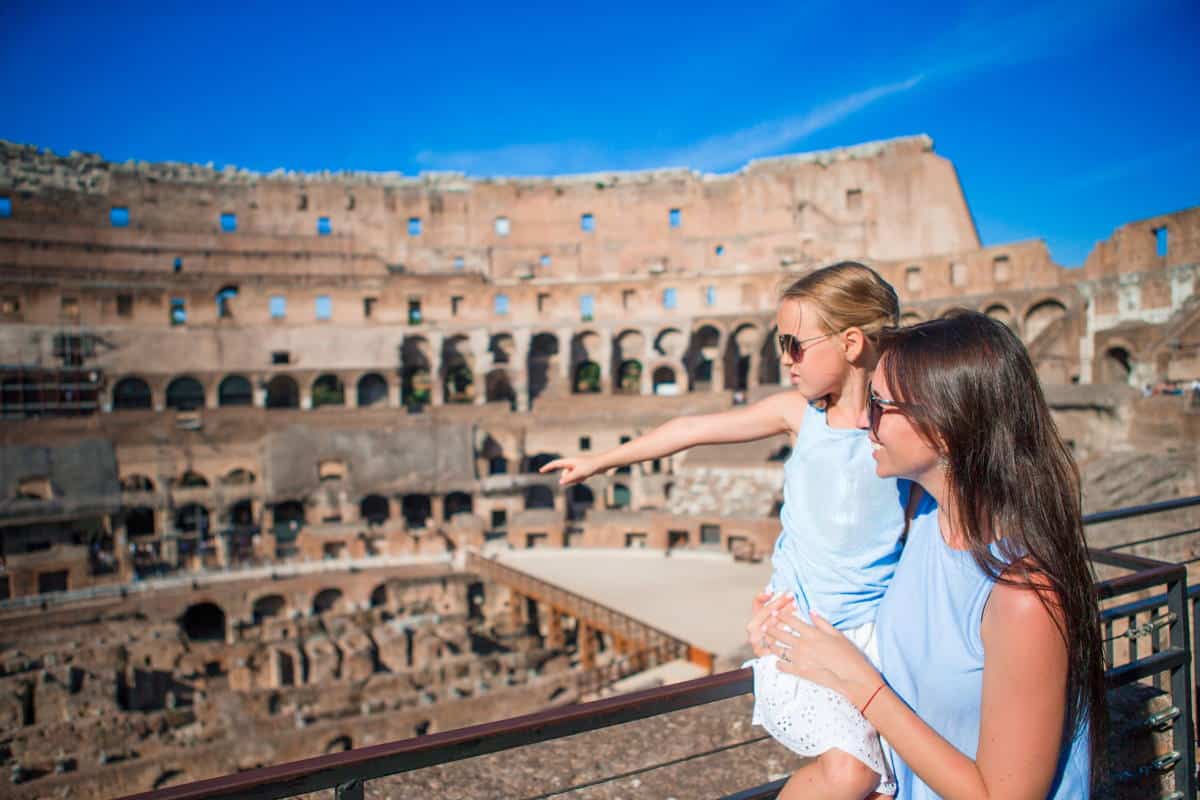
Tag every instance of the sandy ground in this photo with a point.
(700, 597)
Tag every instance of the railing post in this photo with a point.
(1181, 684)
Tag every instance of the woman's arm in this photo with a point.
(1022, 706)
(779, 413)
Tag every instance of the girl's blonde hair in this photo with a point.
(848, 295)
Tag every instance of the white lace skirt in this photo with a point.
(809, 719)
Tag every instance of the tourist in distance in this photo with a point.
(841, 524)
(989, 638)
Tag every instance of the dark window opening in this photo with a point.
(499, 518)
(585, 443)
(455, 305)
(281, 357)
(854, 199)
(52, 581)
(124, 305)
(369, 306)
(11, 305)
(177, 265)
(414, 312)
(710, 534)
(178, 311)
(674, 217)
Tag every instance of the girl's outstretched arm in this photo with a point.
(779, 413)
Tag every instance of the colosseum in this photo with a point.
(260, 427)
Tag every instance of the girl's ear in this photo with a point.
(854, 343)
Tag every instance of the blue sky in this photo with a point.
(1065, 120)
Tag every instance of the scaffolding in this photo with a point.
(30, 389)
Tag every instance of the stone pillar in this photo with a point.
(565, 356)
(555, 640)
(585, 643)
(752, 373)
(437, 394)
(606, 357)
(395, 397)
(258, 390)
(437, 508)
(350, 390)
(519, 372)
(305, 394)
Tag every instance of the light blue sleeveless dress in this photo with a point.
(838, 547)
(931, 652)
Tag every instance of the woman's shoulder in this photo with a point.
(1024, 598)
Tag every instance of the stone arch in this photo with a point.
(1117, 364)
(192, 517)
(372, 390)
(268, 606)
(191, 479)
(670, 342)
(141, 521)
(1000, 312)
(235, 390)
(416, 360)
(326, 600)
(543, 358)
(768, 359)
(287, 518)
(185, 393)
(339, 744)
(701, 357)
(1042, 315)
(136, 482)
(585, 362)
(536, 461)
(492, 453)
(629, 377)
(132, 393)
(224, 299)
(580, 500)
(739, 356)
(458, 375)
(203, 622)
(282, 392)
(238, 476)
(499, 388)
(502, 347)
(328, 390)
(379, 596)
(417, 509)
(457, 503)
(664, 380)
(539, 497)
(621, 497)
(375, 509)
(240, 513)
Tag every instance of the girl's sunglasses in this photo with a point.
(877, 406)
(794, 348)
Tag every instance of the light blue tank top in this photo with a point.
(931, 651)
(841, 524)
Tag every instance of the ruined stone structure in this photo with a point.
(210, 371)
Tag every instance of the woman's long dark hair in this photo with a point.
(981, 406)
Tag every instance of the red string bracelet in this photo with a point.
(878, 689)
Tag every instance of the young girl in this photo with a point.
(989, 633)
(841, 524)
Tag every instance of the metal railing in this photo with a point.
(347, 772)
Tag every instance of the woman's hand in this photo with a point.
(822, 654)
(765, 607)
(574, 470)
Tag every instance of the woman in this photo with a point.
(988, 635)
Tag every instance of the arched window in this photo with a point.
(204, 622)
(327, 390)
(282, 392)
(185, 394)
(235, 390)
(132, 393)
(372, 390)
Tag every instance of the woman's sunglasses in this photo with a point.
(877, 406)
(794, 348)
